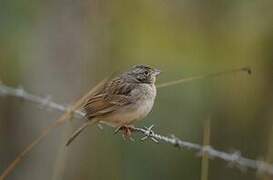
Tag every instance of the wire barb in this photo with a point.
(100, 127)
(149, 134)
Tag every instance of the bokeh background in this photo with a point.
(63, 48)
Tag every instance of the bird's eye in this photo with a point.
(146, 72)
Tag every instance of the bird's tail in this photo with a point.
(78, 132)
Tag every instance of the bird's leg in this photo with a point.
(126, 131)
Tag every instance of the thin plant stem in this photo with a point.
(199, 77)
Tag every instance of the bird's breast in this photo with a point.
(142, 106)
(135, 111)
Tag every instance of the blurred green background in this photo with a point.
(63, 48)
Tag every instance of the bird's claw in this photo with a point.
(127, 132)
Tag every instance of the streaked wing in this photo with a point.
(115, 94)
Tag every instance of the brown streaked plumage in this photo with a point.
(123, 100)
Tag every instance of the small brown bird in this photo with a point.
(122, 101)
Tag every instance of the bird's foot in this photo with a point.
(126, 132)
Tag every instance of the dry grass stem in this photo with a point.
(211, 75)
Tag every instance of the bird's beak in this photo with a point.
(157, 72)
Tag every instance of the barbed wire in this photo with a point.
(234, 159)
(42, 101)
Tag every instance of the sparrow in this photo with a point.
(121, 101)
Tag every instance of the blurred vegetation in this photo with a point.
(62, 48)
